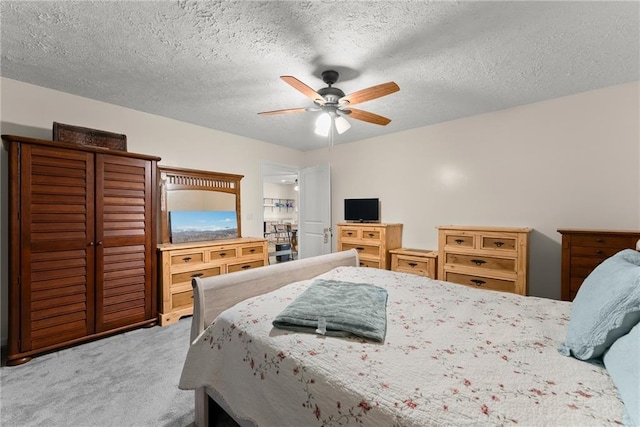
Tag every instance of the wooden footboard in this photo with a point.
(213, 295)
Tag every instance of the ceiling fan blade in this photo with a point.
(287, 111)
(369, 93)
(304, 89)
(366, 116)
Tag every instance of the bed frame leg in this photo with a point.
(201, 408)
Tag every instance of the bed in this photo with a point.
(452, 355)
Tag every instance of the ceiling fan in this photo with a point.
(335, 105)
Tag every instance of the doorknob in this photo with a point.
(327, 234)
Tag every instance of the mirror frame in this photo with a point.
(178, 179)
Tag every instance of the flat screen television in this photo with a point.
(362, 210)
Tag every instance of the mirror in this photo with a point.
(196, 190)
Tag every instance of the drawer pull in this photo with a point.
(349, 233)
(186, 259)
(252, 250)
(197, 275)
(498, 243)
(223, 254)
(244, 267)
(371, 235)
(412, 264)
(599, 240)
(478, 282)
(459, 241)
(362, 264)
(478, 261)
(359, 249)
(599, 252)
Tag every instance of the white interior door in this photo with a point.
(314, 228)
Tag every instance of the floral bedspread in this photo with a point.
(453, 355)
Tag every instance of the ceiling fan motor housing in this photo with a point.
(330, 94)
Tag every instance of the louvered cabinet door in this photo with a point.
(124, 251)
(56, 279)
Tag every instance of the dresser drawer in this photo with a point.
(185, 277)
(601, 241)
(593, 251)
(484, 262)
(501, 243)
(371, 235)
(252, 250)
(231, 268)
(188, 258)
(481, 282)
(222, 253)
(460, 240)
(182, 299)
(350, 233)
(363, 250)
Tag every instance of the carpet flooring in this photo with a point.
(129, 379)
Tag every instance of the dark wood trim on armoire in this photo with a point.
(82, 242)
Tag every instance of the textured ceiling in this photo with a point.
(217, 63)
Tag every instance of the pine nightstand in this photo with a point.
(422, 262)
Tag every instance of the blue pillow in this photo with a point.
(606, 306)
(622, 361)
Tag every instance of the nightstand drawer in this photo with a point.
(481, 282)
(484, 262)
(363, 250)
(187, 258)
(369, 263)
(412, 265)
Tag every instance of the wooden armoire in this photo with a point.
(82, 237)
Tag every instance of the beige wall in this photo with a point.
(571, 162)
(29, 110)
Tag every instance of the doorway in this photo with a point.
(280, 191)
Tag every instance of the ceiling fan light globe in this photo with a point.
(322, 132)
(342, 125)
(323, 124)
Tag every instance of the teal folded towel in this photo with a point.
(336, 308)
